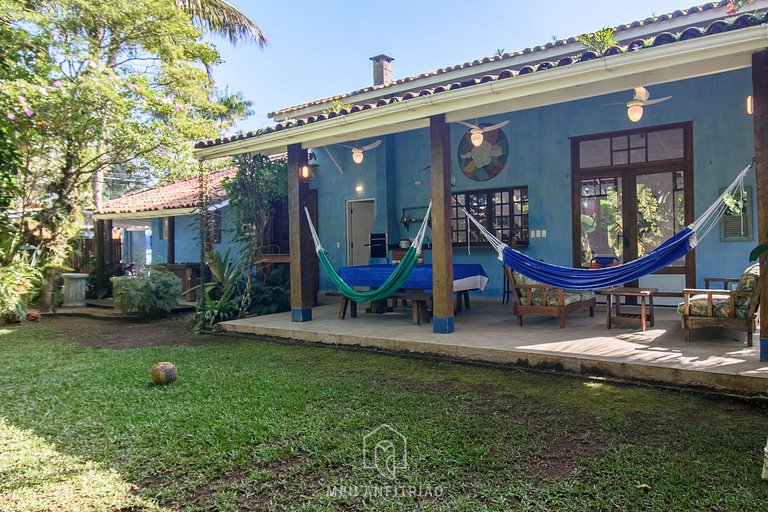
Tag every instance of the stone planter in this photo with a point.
(74, 289)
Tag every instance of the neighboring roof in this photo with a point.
(178, 195)
(624, 33)
(533, 68)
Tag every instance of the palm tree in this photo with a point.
(236, 108)
(222, 18)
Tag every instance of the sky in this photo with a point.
(322, 48)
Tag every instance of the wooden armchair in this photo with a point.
(731, 309)
(530, 296)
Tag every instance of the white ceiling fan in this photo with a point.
(476, 132)
(357, 151)
(640, 100)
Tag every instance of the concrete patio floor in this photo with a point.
(715, 359)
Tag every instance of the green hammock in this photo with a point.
(393, 283)
(395, 280)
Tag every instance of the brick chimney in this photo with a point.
(382, 69)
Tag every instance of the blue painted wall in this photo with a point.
(134, 246)
(539, 157)
(187, 237)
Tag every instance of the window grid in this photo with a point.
(503, 212)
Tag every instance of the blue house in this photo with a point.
(161, 225)
(568, 152)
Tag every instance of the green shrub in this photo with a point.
(212, 311)
(273, 294)
(18, 281)
(222, 295)
(92, 290)
(150, 294)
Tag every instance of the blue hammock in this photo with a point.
(587, 279)
(590, 279)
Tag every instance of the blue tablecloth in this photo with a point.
(466, 276)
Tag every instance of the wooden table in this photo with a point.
(646, 297)
(417, 288)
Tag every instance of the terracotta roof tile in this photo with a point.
(716, 27)
(561, 42)
(181, 194)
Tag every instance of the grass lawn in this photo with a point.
(256, 425)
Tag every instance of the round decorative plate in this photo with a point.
(483, 162)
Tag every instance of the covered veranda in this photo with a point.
(716, 358)
(685, 59)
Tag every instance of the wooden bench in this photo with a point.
(731, 309)
(419, 305)
(547, 300)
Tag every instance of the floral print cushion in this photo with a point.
(521, 279)
(721, 303)
(721, 306)
(569, 296)
(749, 278)
(747, 283)
(552, 298)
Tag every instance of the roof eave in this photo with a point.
(682, 59)
(461, 72)
(148, 214)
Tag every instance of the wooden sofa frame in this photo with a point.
(522, 308)
(746, 324)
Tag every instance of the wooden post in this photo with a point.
(103, 247)
(170, 242)
(299, 237)
(760, 118)
(109, 244)
(98, 246)
(442, 247)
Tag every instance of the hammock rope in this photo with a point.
(587, 279)
(395, 280)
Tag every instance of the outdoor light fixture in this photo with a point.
(305, 171)
(359, 188)
(634, 111)
(476, 131)
(640, 100)
(750, 105)
(357, 151)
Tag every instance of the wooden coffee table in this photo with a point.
(625, 318)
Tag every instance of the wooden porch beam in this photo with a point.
(760, 118)
(442, 247)
(170, 243)
(109, 243)
(101, 262)
(299, 237)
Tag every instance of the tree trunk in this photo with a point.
(46, 297)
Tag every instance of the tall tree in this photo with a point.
(123, 84)
(216, 16)
(223, 18)
(235, 107)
